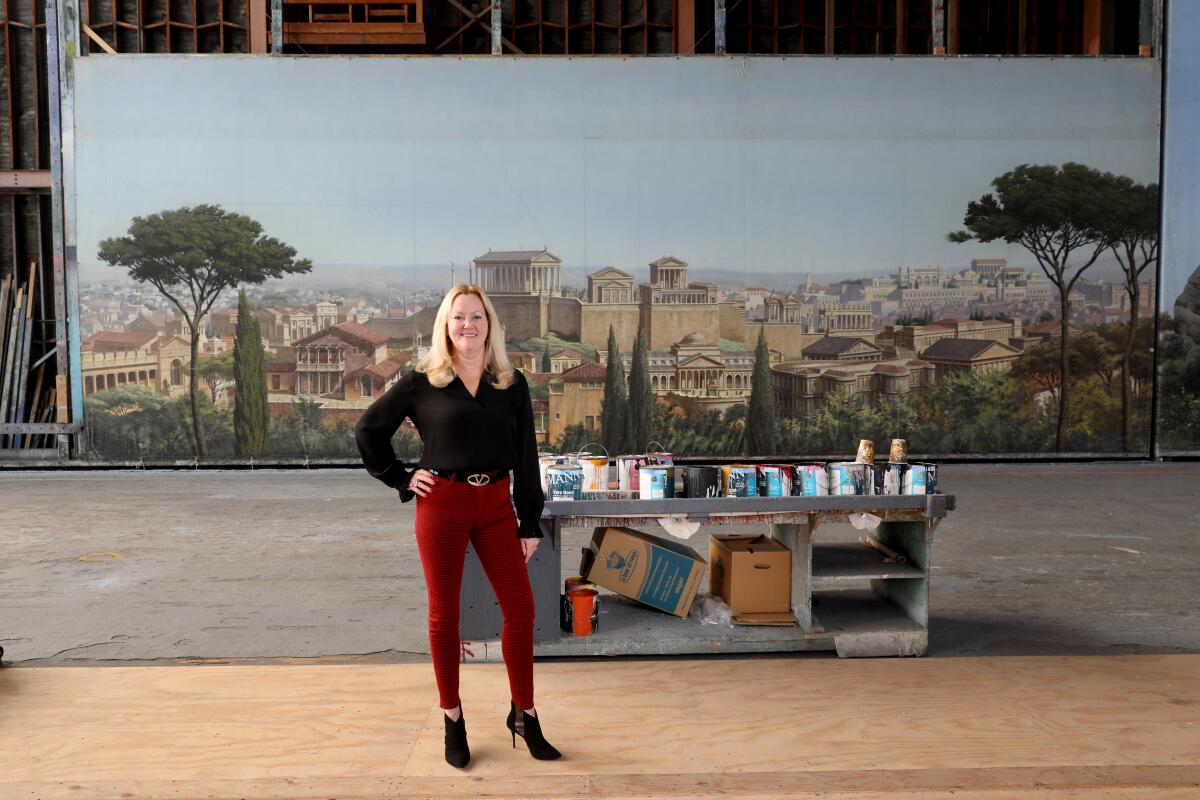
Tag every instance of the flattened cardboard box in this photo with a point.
(754, 576)
(658, 572)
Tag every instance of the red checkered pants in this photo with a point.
(453, 514)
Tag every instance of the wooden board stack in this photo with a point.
(26, 393)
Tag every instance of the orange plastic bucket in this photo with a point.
(583, 605)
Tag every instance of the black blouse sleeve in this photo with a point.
(374, 432)
(527, 482)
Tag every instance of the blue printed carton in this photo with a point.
(660, 573)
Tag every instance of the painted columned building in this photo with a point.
(524, 272)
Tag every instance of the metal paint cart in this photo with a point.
(846, 598)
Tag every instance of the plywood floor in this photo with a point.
(972, 729)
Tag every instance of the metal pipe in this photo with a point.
(719, 28)
(497, 38)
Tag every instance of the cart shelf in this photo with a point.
(846, 598)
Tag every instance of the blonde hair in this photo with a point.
(438, 363)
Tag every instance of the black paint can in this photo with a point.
(701, 482)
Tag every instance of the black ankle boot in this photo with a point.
(530, 729)
(457, 752)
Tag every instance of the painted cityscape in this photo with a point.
(954, 360)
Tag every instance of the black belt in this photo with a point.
(474, 478)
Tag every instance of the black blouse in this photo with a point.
(491, 431)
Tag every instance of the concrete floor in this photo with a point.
(145, 567)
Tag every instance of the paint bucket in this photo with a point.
(585, 611)
(740, 480)
(544, 462)
(661, 458)
(810, 480)
(898, 453)
(627, 472)
(652, 483)
(774, 481)
(564, 482)
(849, 478)
(595, 473)
(866, 452)
(701, 482)
(920, 479)
(893, 479)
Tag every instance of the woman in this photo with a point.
(475, 418)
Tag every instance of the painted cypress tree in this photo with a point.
(250, 416)
(762, 437)
(641, 396)
(614, 425)
(546, 358)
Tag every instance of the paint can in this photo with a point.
(849, 478)
(774, 481)
(701, 482)
(595, 473)
(664, 459)
(866, 452)
(564, 482)
(652, 483)
(898, 452)
(584, 607)
(544, 462)
(627, 472)
(810, 480)
(740, 480)
(893, 479)
(566, 610)
(920, 479)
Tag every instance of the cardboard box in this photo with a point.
(660, 573)
(754, 576)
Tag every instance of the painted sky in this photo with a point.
(843, 166)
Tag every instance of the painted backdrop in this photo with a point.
(749, 256)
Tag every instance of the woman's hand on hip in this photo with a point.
(528, 546)
(421, 483)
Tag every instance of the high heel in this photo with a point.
(457, 752)
(530, 729)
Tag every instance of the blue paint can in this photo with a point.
(848, 478)
(810, 480)
(774, 481)
(740, 480)
(920, 479)
(652, 483)
(564, 482)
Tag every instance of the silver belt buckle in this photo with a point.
(479, 479)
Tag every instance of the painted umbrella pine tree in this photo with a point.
(193, 254)
(1133, 239)
(1058, 214)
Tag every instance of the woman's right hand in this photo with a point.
(421, 482)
